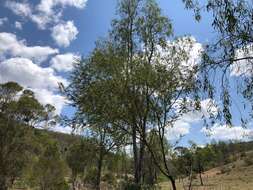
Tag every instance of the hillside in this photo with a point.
(234, 176)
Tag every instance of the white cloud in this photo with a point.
(191, 47)
(225, 133)
(21, 9)
(9, 45)
(209, 107)
(47, 6)
(179, 129)
(244, 66)
(42, 19)
(61, 129)
(18, 25)
(44, 13)
(29, 74)
(64, 33)
(185, 52)
(182, 126)
(64, 62)
(3, 21)
(42, 81)
(46, 96)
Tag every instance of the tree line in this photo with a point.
(40, 159)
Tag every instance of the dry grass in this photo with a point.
(238, 176)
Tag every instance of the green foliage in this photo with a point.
(20, 112)
(232, 22)
(79, 157)
(49, 170)
(109, 178)
(248, 159)
(91, 176)
(133, 81)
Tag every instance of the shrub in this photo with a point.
(248, 161)
(225, 169)
(109, 178)
(90, 177)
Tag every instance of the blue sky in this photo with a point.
(57, 31)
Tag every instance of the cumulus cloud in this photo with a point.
(29, 74)
(225, 133)
(44, 13)
(244, 66)
(64, 33)
(47, 6)
(46, 96)
(61, 129)
(43, 20)
(64, 62)
(18, 25)
(185, 51)
(42, 81)
(19, 8)
(3, 21)
(9, 45)
(182, 126)
(209, 107)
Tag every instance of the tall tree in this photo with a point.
(135, 80)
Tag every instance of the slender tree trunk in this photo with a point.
(173, 183)
(201, 180)
(190, 178)
(200, 172)
(141, 154)
(136, 158)
(73, 181)
(99, 168)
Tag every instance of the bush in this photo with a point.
(128, 185)
(248, 161)
(225, 169)
(132, 186)
(49, 170)
(63, 186)
(90, 177)
(243, 154)
(109, 178)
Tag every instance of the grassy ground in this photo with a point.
(235, 176)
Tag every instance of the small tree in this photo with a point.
(49, 171)
(80, 155)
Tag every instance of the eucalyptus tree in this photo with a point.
(12, 139)
(80, 155)
(136, 80)
(229, 55)
(20, 111)
(107, 138)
